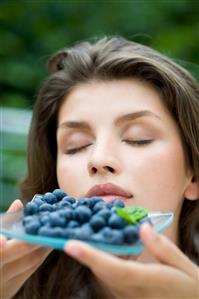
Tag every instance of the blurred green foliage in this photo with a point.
(30, 31)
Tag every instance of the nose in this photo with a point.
(104, 160)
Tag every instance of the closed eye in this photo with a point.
(74, 150)
(138, 142)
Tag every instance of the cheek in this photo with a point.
(159, 177)
(70, 174)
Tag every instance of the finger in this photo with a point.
(166, 251)
(15, 249)
(110, 269)
(2, 242)
(18, 281)
(15, 206)
(21, 265)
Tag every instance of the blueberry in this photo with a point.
(56, 207)
(75, 204)
(106, 231)
(56, 232)
(99, 206)
(67, 233)
(109, 206)
(105, 213)
(30, 208)
(113, 210)
(118, 203)
(87, 226)
(115, 237)
(44, 219)
(50, 198)
(55, 214)
(67, 213)
(64, 203)
(28, 219)
(83, 233)
(88, 229)
(56, 220)
(69, 199)
(116, 221)
(82, 214)
(97, 222)
(84, 202)
(72, 224)
(43, 213)
(131, 233)
(37, 199)
(50, 231)
(98, 237)
(46, 207)
(59, 194)
(112, 236)
(45, 231)
(95, 200)
(32, 227)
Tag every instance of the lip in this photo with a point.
(108, 189)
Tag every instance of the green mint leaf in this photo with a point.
(132, 215)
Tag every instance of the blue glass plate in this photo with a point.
(12, 227)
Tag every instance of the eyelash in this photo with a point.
(138, 142)
(73, 151)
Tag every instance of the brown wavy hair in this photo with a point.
(104, 59)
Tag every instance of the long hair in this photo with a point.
(105, 59)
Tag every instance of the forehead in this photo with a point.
(110, 98)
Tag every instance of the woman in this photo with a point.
(114, 112)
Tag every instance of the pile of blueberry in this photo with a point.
(56, 214)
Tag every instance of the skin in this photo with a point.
(155, 173)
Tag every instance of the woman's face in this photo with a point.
(118, 132)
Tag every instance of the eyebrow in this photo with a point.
(119, 120)
(74, 125)
(135, 115)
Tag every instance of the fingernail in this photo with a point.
(73, 249)
(19, 202)
(148, 234)
(2, 241)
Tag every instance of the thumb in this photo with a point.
(15, 206)
(165, 250)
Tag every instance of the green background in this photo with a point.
(30, 31)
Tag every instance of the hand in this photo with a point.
(18, 261)
(175, 276)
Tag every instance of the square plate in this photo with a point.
(12, 227)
